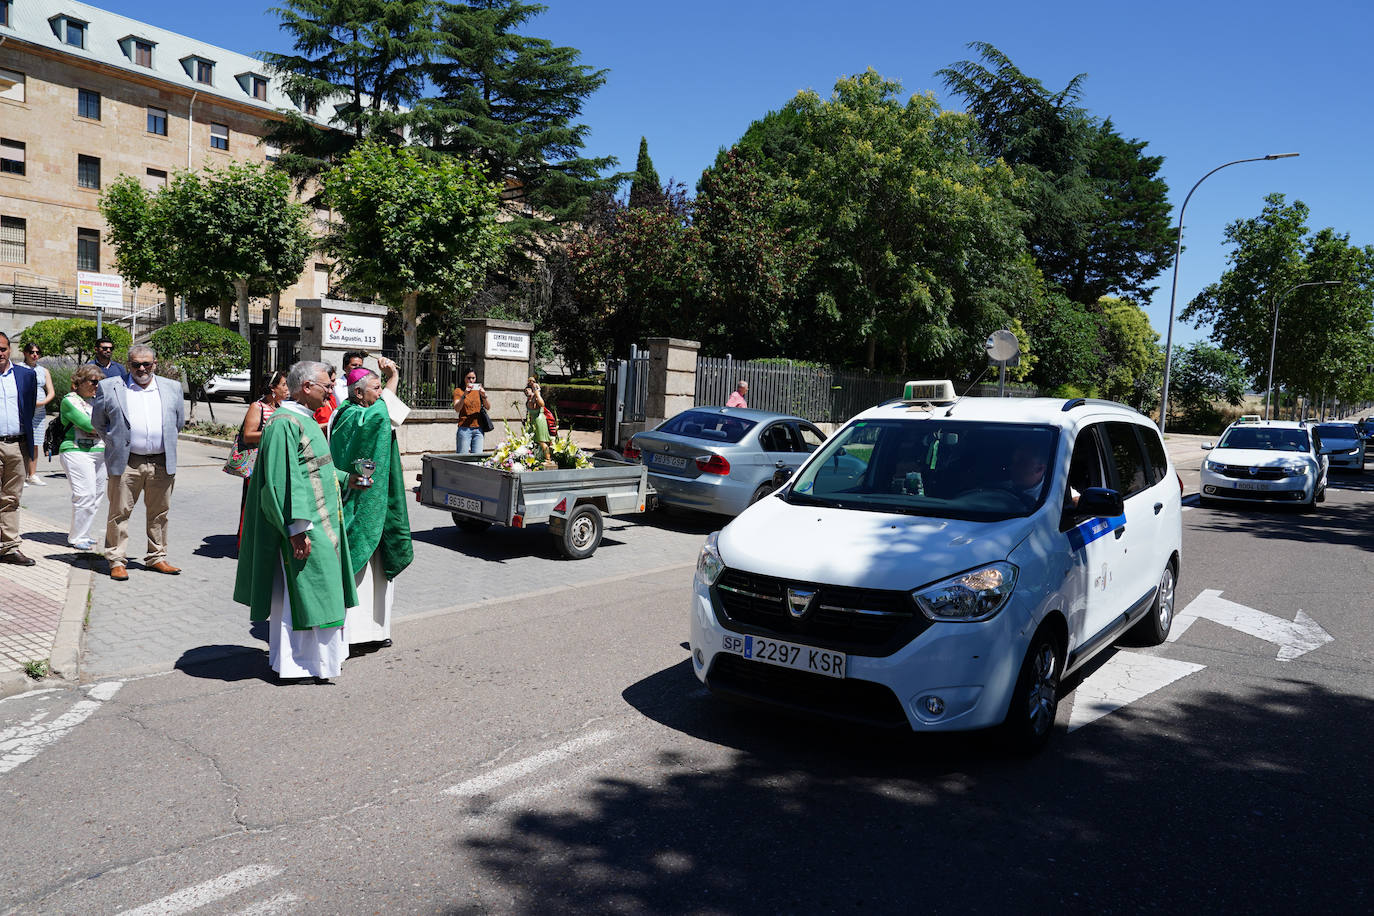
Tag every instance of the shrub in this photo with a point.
(74, 337)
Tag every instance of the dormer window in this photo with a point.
(69, 31)
(4, 12)
(138, 50)
(253, 84)
(259, 88)
(199, 69)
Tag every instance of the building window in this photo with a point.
(312, 108)
(273, 151)
(13, 239)
(11, 85)
(259, 88)
(156, 180)
(88, 172)
(143, 53)
(11, 157)
(4, 12)
(75, 33)
(205, 71)
(88, 250)
(157, 120)
(88, 104)
(219, 136)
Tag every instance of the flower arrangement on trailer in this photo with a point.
(520, 452)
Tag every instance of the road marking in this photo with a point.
(21, 743)
(206, 892)
(1125, 678)
(1294, 637)
(278, 904)
(525, 798)
(479, 785)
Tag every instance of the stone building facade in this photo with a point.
(86, 95)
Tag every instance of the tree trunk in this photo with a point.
(226, 315)
(410, 322)
(241, 287)
(169, 307)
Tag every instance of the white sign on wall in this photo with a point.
(103, 291)
(508, 344)
(351, 331)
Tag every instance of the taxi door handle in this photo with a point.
(1119, 532)
(1159, 507)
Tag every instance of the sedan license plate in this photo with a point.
(786, 654)
(1251, 485)
(668, 461)
(454, 501)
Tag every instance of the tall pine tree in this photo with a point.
(646, 190)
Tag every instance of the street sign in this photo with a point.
(100, 291)
(508, 344)
(351, 330)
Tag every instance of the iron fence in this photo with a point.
(435, 373)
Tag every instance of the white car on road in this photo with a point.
(941, 564)
(1269, 461)
(1344, 445)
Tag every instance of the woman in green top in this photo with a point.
(83, 456)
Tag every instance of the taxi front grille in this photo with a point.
(839, 698)
(1246, 472)
(866, 621)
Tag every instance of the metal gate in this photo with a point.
(627, 394)
(271, 352)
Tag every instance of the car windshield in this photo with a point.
(1265, 438)
(942, 468)
(1337, 431)
(708, 425)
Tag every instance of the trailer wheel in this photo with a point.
(470, 525)
(581, 533)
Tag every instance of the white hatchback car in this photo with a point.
(1269, 461)
(941, 564)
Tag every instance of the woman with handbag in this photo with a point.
(82, 454)
(245, 453)
(472, 406)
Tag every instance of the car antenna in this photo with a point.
(949, 410)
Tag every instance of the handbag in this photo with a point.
(241, 460)
(484, 421)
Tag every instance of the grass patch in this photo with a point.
(38, 668)
(211, 430)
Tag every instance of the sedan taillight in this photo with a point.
(713, 464)
(631, 451)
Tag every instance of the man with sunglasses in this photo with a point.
(103, 359)
(18, 395)
(138, 419)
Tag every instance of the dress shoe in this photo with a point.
(119, 573)
(16, 558)
(167, 569)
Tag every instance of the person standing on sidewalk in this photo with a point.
(139, 418)
(737, 397)
(18, 395)
(103, 359)
(470, 401)
(40, 411)
(83, 455)
(293, 568)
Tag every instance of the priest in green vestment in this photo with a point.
(375, 518)
(294, 568)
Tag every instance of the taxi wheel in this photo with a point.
(1035, 701)
(581, 533)
(1153, 628)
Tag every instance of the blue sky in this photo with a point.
(1204, 82)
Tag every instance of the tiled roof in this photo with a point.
(107, 41)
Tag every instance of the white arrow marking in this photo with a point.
(1125, 678)
(208, 892)
(22, 743)
(1294, 637)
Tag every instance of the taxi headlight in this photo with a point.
(709, 563)
(1297, 470)
(1213, 465)
(974, 595)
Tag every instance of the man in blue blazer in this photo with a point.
(138, 418)
(18, 395)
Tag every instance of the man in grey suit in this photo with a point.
(138, 417)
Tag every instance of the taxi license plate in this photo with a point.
(669, 461)
(454, 501)
(1251, 485)
(786, 655)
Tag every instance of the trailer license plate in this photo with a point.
(785, 654)
(454, 501)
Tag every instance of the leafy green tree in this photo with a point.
(144, 249)
(200, 351)
(1067, 341)
(74, 337)
(1133, 360)
(510, 102)
(410, 227)
(360, 63)
(1201, 375)
(646, 189)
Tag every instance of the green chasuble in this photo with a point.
(295, 478)
(377, 519)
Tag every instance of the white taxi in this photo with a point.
(941, 564)
(1269, 461)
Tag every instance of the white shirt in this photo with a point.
(145, 418)
(9, 403)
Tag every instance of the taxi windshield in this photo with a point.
(977, 471)
(1266, 438)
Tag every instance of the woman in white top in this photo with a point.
(40, 412)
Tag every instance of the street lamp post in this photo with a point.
(1173, 295)
(1274, 342)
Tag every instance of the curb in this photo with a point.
(204, 440)
(71, 627)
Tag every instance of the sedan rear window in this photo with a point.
(708, 426)
(1337, 431)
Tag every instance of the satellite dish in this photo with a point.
(1003, 346)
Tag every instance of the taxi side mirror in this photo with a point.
(1100, 502)
(1206, 446)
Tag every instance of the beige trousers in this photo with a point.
(146, 475)
(11, 489)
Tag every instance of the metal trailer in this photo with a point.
(572, 502)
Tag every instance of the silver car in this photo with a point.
(1345, 443)
(721, 459)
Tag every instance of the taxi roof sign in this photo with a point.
(934, 390)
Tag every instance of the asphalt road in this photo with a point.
(552, 752)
